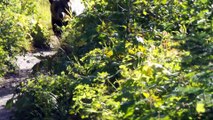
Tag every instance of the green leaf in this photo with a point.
(130, 112)
(200, 108)
(204, 1)
(144, 12)
(164, 1)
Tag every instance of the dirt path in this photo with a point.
(8, 84)
(5, 95)
(6, 92)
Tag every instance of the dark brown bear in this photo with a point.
(59, 9)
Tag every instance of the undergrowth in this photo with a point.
(131, 60)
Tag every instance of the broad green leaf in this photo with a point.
(204, 1)
(144, 12)
(109, 53)
(164, 1)
(200, 108)
(146, 94)
(130, 111)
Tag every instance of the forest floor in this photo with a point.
(25, 64)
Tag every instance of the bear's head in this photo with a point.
(60, 8)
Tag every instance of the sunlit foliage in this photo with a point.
(129, 59)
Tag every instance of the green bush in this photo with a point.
(129, 60)
(15, 30)
(44, 97)
(19, 30)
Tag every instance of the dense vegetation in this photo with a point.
(120, 59)
(19, 30)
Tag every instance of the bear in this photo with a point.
(59, 10)
(62, 8)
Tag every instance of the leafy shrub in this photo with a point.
(15, 30)
(36, 102)
(130, 60)
(18, 29)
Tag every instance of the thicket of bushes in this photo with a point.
(129, 60)
(19, 29)
(14, 20)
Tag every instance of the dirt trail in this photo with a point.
(25, 63)
(6, 92)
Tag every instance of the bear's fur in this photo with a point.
(59, 9)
